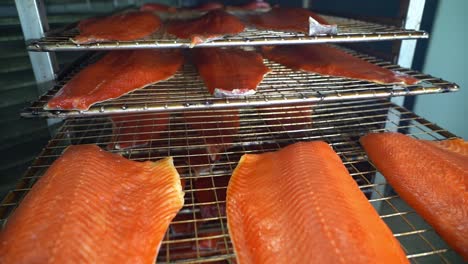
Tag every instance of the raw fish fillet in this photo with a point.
(327, 60)
(300, 204)
(208, 6)
(216, 130)
(119, 27)
(116, 74)
(92, 206)
(230, 72)
(134, 130)
(292, 19)
(431, 177)
(252, 5)
(157, 7)
(290, 117)
(214, 24)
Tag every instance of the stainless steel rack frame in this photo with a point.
(349, 30)
(281, 86)
(204, 237)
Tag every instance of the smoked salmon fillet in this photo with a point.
(133, 130)
(214, 24)
(230, 72)
(208, 6)
(119, 27)
(300, 205)
(327, 60)
(114, 75)
(252, 5)
(92, 206)
(292, 19)
(457, 145)
(430, 177)
(157, 7)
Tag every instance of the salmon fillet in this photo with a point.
(457, 145)
(208, 6)
(327, 60)
(214, 24)
(92, 206)
(157, 7)
(114, 75)
(217, 131)
(292, 19)
(300, 203)
(430, 177)
(230, 72)
(290, 117)
(133, 130)
(252, 5)
(119, 27)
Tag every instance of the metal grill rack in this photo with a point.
(281, 86)
(199, 232)
(349, 30)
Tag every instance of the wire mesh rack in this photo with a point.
(199, 233)
(349, 30)
(282, 85)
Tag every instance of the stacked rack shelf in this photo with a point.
(281, 86)
(338, 123)
(339, 112)
(350, 30)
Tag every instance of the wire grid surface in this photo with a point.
(349, 30)
(199, 232)
(281, 86)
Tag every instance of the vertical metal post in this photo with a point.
(305, 3)
(34, 25)
(405, 59)
(408, 47)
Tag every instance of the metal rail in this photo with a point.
(282, 86)
(349, 30)
(199, 232)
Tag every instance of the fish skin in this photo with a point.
(212, 25)
(300, 204)
(120, 27)
(114, 75)
(430, 177)
(70, 214)
(327, 60)
(230, 72)
(134, 130)
(289, 19)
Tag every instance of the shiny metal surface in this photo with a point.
(267, 129)
(349, 30)
(281, 86)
